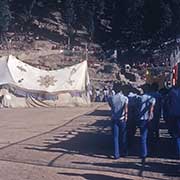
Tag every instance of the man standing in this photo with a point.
(146, 108)
(105, 94)
(157, 112)
(119, 112)
(98, 95)
(174, 111)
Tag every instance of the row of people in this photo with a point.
(143, 111)
(102, 95)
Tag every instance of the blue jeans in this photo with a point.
(143, 125)
(178, 147)
(178, 138)
(119, 138)
(175, 124)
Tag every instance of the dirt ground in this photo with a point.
(73, 143)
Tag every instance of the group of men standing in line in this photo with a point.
(102, 95)
(144, 111)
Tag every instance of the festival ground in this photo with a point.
(74, 143)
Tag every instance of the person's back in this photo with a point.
(146, 107)
(119, 111)
(145, 102)
(133, 106)
(157, 108)
(117, 104)
(174, 100)
(156, 114)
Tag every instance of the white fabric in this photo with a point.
(9, 100)
(66, 79)
(5, 76)
(24, 83)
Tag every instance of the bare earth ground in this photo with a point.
(73, 143)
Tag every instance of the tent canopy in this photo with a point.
(26, 80)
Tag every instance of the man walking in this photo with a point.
(146, 108)
(119, 112)
(174, 111)
(157, 112)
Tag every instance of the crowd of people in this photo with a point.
(144, 111)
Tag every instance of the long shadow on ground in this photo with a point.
(95, 140)
(92, 140)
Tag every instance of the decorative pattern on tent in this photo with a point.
(28, 86)
(47, 81)
(21, 68)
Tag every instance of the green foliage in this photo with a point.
(70, 19)
(5, 15)
(127, 24)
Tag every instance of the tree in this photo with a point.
(5, 16)
(94, 14)
(27, 16)
(70, 19)
(91, 18)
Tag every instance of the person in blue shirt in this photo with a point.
(157, 112)
(174, 113)
(145, 115)
(165, 109)
(119, 115)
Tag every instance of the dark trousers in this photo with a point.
(143, 125)
(119, 138)
(155, 127)
(153, 135)
(175, 132)
(178, 147)
(178, 137)
(131, 130)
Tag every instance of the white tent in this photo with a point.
(26, 86)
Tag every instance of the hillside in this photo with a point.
(142, 30)
(43, 54)
(57, 33)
